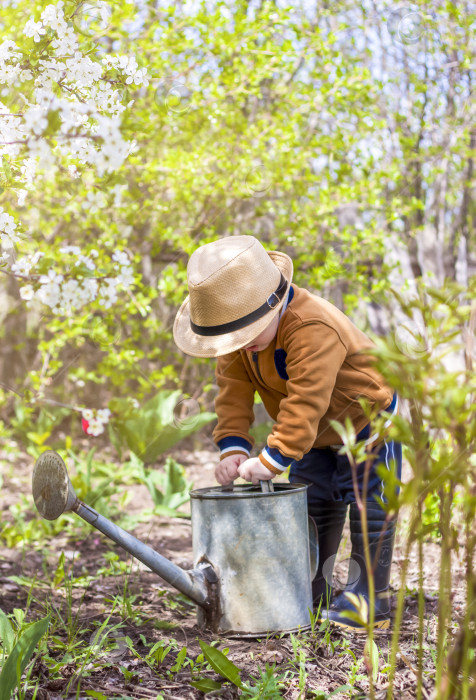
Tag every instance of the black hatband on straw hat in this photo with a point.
(271, 302)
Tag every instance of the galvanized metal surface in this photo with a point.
(258, 544)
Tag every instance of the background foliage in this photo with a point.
(343, 135)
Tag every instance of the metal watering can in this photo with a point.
(255, 550)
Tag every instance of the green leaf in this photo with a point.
(181, 656)
(361, 613)
(371, 653)
(7, 635)
(20, 656)
(38, 438)
(341, 689)
(164, 511)
(59, 573)
(206, 685)
(223, 666)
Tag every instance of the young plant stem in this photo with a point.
(469, 639)
(457, 680)
(444, 588)
(361, 505)
(421, 605)
(400, 604)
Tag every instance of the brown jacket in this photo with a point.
(312, 372)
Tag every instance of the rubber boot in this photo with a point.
(329, 517)
(381, 537)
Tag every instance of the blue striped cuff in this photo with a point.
(275, 458)
(232, 444)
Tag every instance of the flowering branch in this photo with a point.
(72, 118)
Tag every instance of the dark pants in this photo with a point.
(329, 474)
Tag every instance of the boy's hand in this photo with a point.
(254, 470)
(227, 469)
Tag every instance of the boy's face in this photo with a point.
(265, 337)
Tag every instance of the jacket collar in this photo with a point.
(289, 297)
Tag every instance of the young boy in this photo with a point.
(308, 363)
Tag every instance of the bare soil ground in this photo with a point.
(149, 610)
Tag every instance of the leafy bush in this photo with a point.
(153, 428)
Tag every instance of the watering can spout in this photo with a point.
(54, 494)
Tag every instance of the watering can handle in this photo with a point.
(266, 486)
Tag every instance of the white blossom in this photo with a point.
(127, 65)
(36, 256)
(108, 293)
(53, 16)
(7, 223)
(120, 256)
(8, 232)
(66, 43)
(27, 292)
(28, 170)
(118, 192)
(50, 295)
(96, 420)
(40, 149)
(34, 29)
(95, 427)
(51, 277)
(82, 70)
(105, 12)
(125, 277)
(73, 249)
(94, 201)
(7, 50)
(35, 120)
(22, 267)
(103, 415)
(89, 290)
(69, 294)
(64, 293)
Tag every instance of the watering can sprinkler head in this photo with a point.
(53, 491)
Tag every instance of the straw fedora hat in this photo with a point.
(236, 288)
